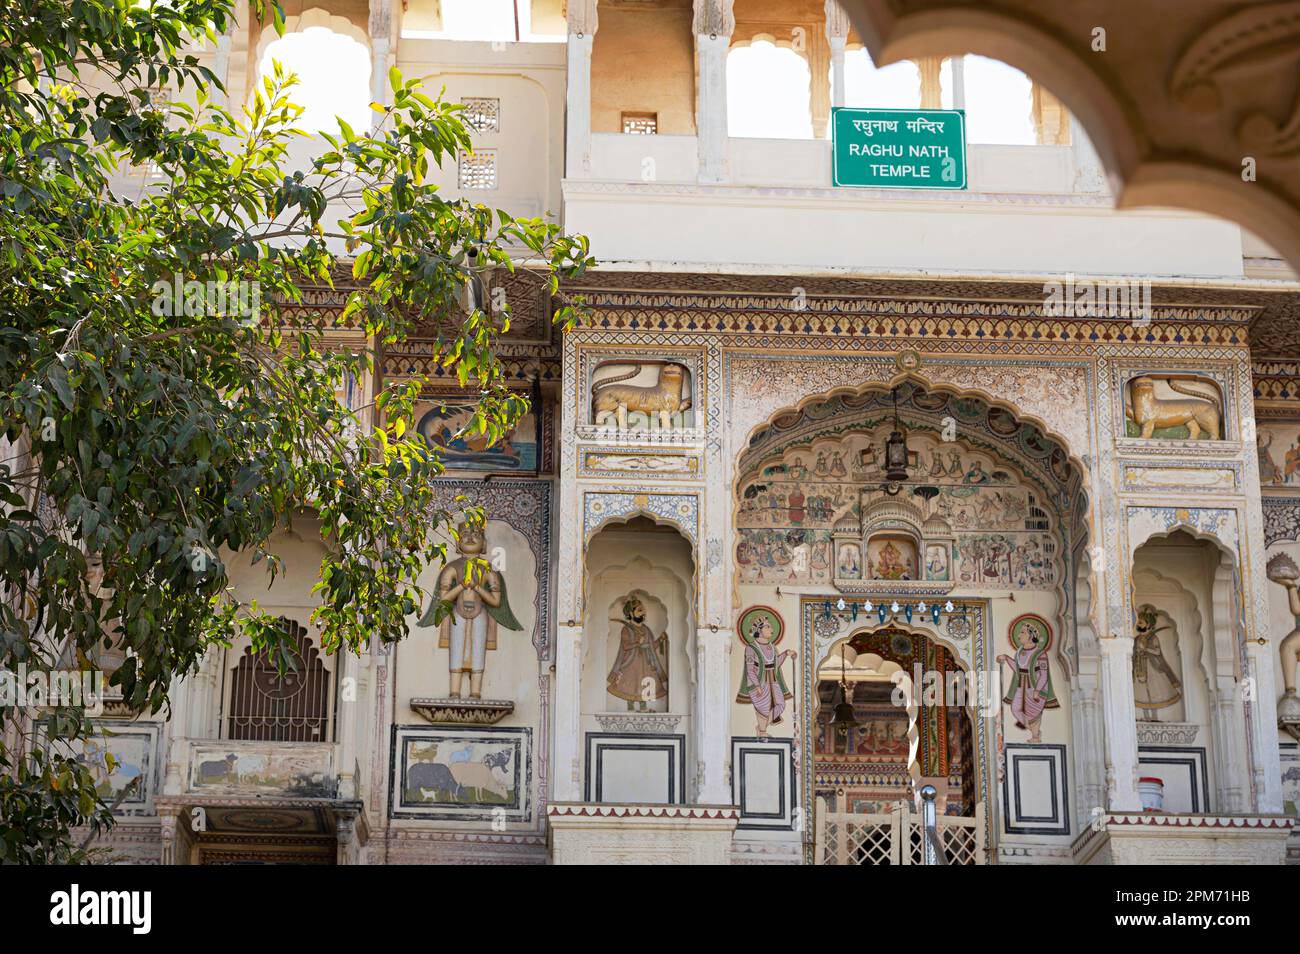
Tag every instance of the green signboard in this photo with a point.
(899, 148)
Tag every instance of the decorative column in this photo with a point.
(238, 63)
(931, 68)
(347, 717)
(1121, 724)
(1089, 763)
(202, 703)
(221, 63)
(716, 635)
(1266, 758)
(713, 25)
(837, 37)
(1085, 691)
(382, 55)
(577, 141)
(566, 771)
(1088, 173)
(1261, 711)
(713, 715)
(1051, 120)
(175, 840)
(1227, 724)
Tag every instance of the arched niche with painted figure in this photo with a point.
(637, 673)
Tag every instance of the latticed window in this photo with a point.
(267, 706)
(641, 124)
(478, 170)
(482, 113)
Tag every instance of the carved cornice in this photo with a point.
(1265, 318)
(1167, 733)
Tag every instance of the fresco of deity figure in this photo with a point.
(763, 685)
(640, 671)
(1029, 691)
(479, 606)
(1155, 685)
(890, 564)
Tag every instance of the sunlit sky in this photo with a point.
(767, 85)
(333, 77)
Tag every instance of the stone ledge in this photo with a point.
(619, 834)
(1135, 838)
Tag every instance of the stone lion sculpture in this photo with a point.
(659, 401)
(1198, 411)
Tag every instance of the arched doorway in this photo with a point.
(941, 572)
(865, 765)
(893, 709)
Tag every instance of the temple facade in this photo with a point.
(833, 496)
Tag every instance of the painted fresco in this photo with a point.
(462, 773)
(441, 424)
(240, 768)
(891, 557)
(999, 521)
(1278, 447)
(120, 759)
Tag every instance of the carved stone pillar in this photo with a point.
(1121, 724)
(1051, 120)
(221, 63)
(1266, 758)
(1230, 770)
(582, 21)
(1088, 173)
(837, 37)
(239, 65)
(174, 835)
(713, 715)
(202, 707)
(819, 85)
(568, 713)
(347, 718)
(1227, 720)
(382, 54)
(349, 833)
(930, 68)
(713, 25)
(1090, 756)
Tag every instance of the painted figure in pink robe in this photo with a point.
(762, 684)
(1030, 690)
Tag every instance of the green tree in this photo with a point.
(149, 440)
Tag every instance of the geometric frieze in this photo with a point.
(680, 510)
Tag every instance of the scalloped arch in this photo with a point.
(1138, 155)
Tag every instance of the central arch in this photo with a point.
(987, 527)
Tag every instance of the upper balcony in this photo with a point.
(714, 153)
